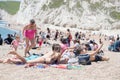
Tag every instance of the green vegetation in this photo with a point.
(111, 22)
(115, 15)
(88, 1)
(44, 7)
(53, 4)
(10, 6)
(56, 3)
(78, 5)
(96, 6)
(109, 9)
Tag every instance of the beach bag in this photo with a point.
(84, 59)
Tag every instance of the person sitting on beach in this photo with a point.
(111, 44)
(69, 53)
(1, 40)
(83, 57)
(15, 42)
(75, 46)
(48, 58)
(29, 33)
(116, 46)
(63, 44)
(8, 40)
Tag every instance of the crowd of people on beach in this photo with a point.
(69, 48)
(114, 44)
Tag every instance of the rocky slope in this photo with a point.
(85, 14)
(3, 14)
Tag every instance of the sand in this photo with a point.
(109, 70)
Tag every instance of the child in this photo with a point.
(40, 42)
(15, 42)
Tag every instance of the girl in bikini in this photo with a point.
(29, 33)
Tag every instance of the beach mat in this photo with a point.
(31, 57)
(66, 66)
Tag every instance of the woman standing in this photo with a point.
(29, 33)
(69, 37)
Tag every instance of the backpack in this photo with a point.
(84, 59)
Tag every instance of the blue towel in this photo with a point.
(31, 57)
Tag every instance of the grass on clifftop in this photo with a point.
(56, 3)
(10, 6)
(115, 15)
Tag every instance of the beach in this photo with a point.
(96, 19)
(106, 70)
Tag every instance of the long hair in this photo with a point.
(56, 47)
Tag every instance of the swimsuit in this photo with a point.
(51, 62)
(30, 34)
(15, 43)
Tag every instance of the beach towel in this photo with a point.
(67, 66)
(33, 56)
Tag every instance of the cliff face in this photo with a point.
(4, 15)
(86, 14)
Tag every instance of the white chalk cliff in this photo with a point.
(86, 14)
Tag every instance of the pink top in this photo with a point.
(15, 43)
(30, 34)
(63, 47)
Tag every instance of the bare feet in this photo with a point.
(107, 59)
(7, 61)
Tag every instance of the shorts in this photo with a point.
(98, 58)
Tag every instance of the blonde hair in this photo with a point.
(17, 36)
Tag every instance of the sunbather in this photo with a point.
(48, 58)
(93, 55)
